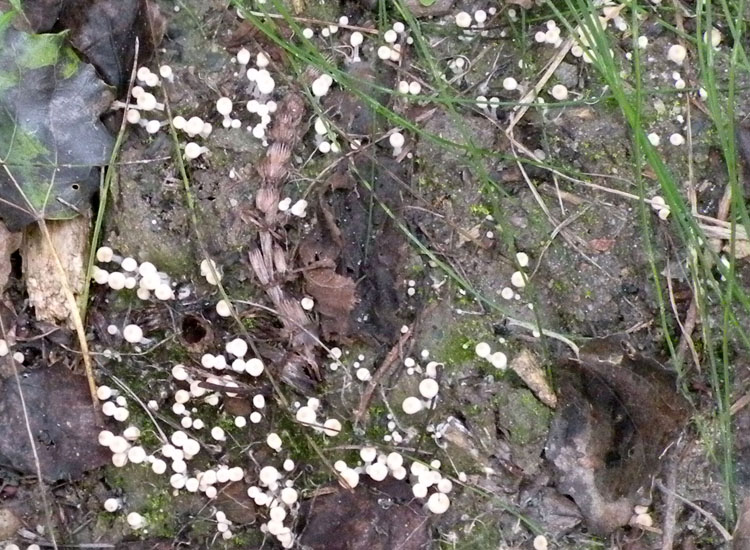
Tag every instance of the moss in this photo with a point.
(158, 511)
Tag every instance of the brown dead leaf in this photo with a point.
(382, 516)
(601, 245)
(61, 418)
(526, 366)
(618, 411)
(334, 294)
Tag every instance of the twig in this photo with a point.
(385, 368)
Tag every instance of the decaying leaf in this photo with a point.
(103, 31)
(381, 516)
(51, 139)
(334, 294)
(618, 411)
(526, 366)
(62, 421)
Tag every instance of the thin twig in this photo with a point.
(705, 513)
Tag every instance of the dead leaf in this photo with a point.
(62, 421)
(601, 245)
(335, 295)
(104, 31)
(618, 411)
(235, 503)
(382, 516)
(531, 372)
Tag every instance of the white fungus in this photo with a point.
(677, 53)
(223, 309)
(559, 92)
(237, 347)
(274, 441)
(112, 505)
(133, 334)
(438, 503)
(518, 279)
(676, 139)
(483, 350)
(412, 405)
(463, 20)
(428, 388)
(135, 520)
(510, 83)
(332, 427)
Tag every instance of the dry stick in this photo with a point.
(670, 507)
(385, 369)
(688, 326)
(705, 513)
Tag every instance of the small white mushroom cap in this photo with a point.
(349, 478)
(265, 83)
(133, 334)
(112, 505)
(131, 433)
(254, 367)
(269, 475)
(368, 454)
(394, 461)
(677, 53)
(289, 496)
(396, 140)
(559, 92)
(428, 388)
(136, 455)
(105, 438)
(135, 520)
(540, 542)
(217, 432)
(224, 106)
(237, 347)
(194, 126)
(193, 151)
(384, 53)
(116, 280)
(412, 405)
(419, 490)
(377, 471)
(103, 393)
(306, 415)
(438, 503)
(510, 83)
(463, 20)
(483, 350)
(243, 56)
(274, 441)
(332, 427)
(356, 39)
(518, 279)
(223, 309)
(498, 360)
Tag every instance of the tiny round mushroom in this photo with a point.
(676, 139)
(299, 208)
(412, 405)
(396, 140)
(332, 427)
(510, 83)
(438, 503)
(133, 334)
(166, 72)
(112, 505)
(223, 308)
(307, 303)
(350, 478)
(483, 350)
(243, 56)
(237, 347)
(384, 53)
(415, 88)
(377, 471)
(463, 20)
(224, 108)
(136, 520)
(677, 53)
(428, 388)
(559, 92)
(540, 542)
(217, 432)
(274, 441)
(306, 415)
(518, 279)
(254, 367)
(356, 40)
(498, 360)
(193, 150)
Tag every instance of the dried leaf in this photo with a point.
(618, 411)
(51, 138)
(531, 372)
(61, 419)
(601, 245)
(383, 516)
(334, 294)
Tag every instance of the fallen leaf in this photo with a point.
(381, 516)
(235, 503)
(601, 245)
(51, 138)
(617, 412)
(61, 420)
(526, 366)
(103, 31)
